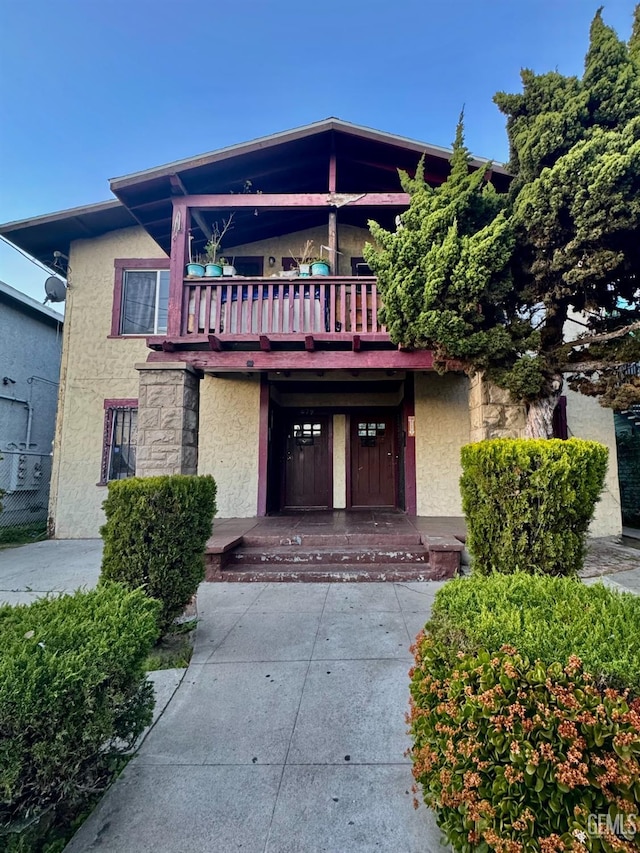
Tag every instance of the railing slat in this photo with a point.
(354, 307)
(186, 315)
(374, 308)
(216, 324)
(207, 310)
(292, 288)
(280, 326)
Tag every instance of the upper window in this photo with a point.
(145, 302)
(141, 296)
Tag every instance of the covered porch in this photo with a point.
(335, 546)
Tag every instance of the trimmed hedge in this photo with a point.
(155, 535)
(528, 502)
(516, 745)
(73, 697)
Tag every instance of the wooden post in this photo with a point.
(333, 243)
(180, 225)
(263, 446)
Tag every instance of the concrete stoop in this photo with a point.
(340, 557)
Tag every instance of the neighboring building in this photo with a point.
(30, 352)
(286, 389)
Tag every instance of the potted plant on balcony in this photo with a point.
(214, 267)
(320, 266)
(227, 268)
(303, 259)
(195, 267)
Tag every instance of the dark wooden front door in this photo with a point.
(374, 460)
(308, 464)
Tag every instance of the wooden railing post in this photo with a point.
(180, 224)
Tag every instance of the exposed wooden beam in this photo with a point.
(233, 361)
(265, 343)
(309, 343)
(215, 343)
(285, 201)
(332, 170)
(168, 346)
(356, 343)
(178, 188)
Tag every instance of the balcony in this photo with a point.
(321, 312)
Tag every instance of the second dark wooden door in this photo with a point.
(307, 466)
(374, 461)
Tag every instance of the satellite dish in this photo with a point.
(55, 290)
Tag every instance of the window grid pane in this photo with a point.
(139, 300)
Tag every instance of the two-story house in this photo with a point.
(282, 385)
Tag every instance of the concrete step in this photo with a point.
(330, 573)
(301, 555)
(338, 540)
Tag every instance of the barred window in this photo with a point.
(119, 440)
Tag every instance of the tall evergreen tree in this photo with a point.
(543, 283)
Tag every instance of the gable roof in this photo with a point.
(293, 160)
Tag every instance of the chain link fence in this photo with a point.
(24, 496)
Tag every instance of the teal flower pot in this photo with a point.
(213, 270)
(319, 268)
(195, 269)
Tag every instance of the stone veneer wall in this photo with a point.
(492, 412)
(167, 440)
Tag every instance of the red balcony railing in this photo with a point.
(328, 306)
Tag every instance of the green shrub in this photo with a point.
(155, 536)
(73, 697)
(516, 740)
(545, 618)
(528, 502)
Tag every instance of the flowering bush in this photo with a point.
(517, 753)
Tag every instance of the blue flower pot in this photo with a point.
(319, 268)
(195, 269)
(213, 270)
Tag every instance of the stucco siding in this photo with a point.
(586, 418)
(442, 428)
(339, 461)
(228, 441)
(95, 368)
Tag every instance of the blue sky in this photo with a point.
(93, 90)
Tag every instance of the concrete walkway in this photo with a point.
(287, 733)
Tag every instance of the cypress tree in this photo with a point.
(541, 284)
